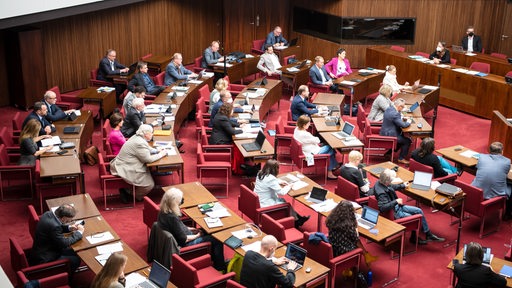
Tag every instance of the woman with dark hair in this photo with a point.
(343, 235)
(223, 131)
(29, 137)
(473, 273)
(111, 275)
(441, 55)
(425, 156)
(116, 138)
(339, 66)
(268, 189)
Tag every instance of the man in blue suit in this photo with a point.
(275, 38)
(392, 125)
(176, 71)
(300, 105)
(39, 113)
(319, 76)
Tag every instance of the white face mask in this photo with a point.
(230, 100)
(439, 49)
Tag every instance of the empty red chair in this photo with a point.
(197, 272)
(453, 61)
(349, 191)
(17, 124)
(249, 205)
(398, 48)
(287, 58)
(414, 165)
(282, 139)
(283, 229)
(149, 213)
(14, 178)
(509, 74)
(159, 79)
(213, 165)
(480, 66)
(33, 219)
(60, 280)
(374, 144)
(299, 160)
(499, 55)
(146, 57)
(256, 46)
(197, 65)
(422, 54)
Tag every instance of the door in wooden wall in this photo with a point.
(239, 25)
(505, 46)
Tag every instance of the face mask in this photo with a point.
(439, 49)
(230, 100)
(471, 34)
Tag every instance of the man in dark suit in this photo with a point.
(225, 97)
(392, 125)
(134, 118)
(54, 112)
(142, 78)
(300, 105)
(473, 274)
(211, 55)
(39, 113)
(275, 38)
(50, 243)
(319, 76)
(109, 66)
(176, 71)
(472, 42)
(259, 269)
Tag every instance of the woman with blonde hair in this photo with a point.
(112, 273)
(381, 103)
(390, 79)
(28, 138)
(215, 95)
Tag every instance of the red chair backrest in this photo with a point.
(17, 122)
(474, 197)
(285, 59)
(272, 227)
(499, 55)
(33, 219)
(346, 189)
(480, 66)
(373, 203)
(415, 165)
(361, 118)
(321, 253)
(398, 48)
(18, 257)
(509, 74)
(453, 61)
(5, 138)
(200, 154)
(102, 166)
(296, 153)
(106, 128)
(94, 73)
(143, 58)
(150, 212)
(257, 44)
(204, 94)
(197, 61)
(159, 78)
(248, 202)
(4, 158)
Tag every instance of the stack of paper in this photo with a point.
(221, 64)
(292, 69)
(251, 95)
(99, 237)
(180, 88)
(299, 185)
(430, 87)
(209, 74)
(468, 153)
(105, 251)
(255, 246)
(163, 144)
(367, 71)
(324, 206)
(242, 234)
(246, 136)
(461, 70)
(213, 222)
(261, 91)
(195, 81)
(55, 140)
(348, 83)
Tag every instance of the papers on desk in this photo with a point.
(429, 87)
(443, 66)
(351, 141)
(261, 91)
(288, 179)
(292, 69)
(470, 54)
(355, 205)
(299, 185)
(77, 112)
(461, 70)
(246, 136)
(218, 211)
(180, 88)
(221, 64)
(471, 72)
(213, 222)
(99, 237)
(134, 279)
(155, 109)
(162, 132)
(55, 140)
(242, 234)
(280, 47)
(397, 180)
(373, 71)
(163, 144)
(324, 206)
(249, 56)
(55, 148)
(195, 81)
(415, 56)
(481, 74)
(210, 74)
(251, 95)
(255, 246)
(348, 83)
(105, 89)
(245, 116)
(105, 251)
(470, 154)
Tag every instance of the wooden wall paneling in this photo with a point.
(4, 82)
(239, 25)
(504, 45)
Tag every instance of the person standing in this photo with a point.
(471, 42)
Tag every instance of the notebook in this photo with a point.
(317, 195)
(257, 144)
(369, 218)
(422, 180)
(158, 277)
(448, 190)
(295, 253)
(72, 130)
(345, 132)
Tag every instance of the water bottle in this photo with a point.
(369, 279)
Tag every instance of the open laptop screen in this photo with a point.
(370, 214)
(296, 253)
(159, 275)
(422, 178)
(348, 128)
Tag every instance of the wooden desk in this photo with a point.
(63, 169)
(317, 276)
(501, 130)
(329, 99)
(498, 66)
(223, 235)
(321, 126)
(158, 62)
(364, 85)
(402, 173)
(145, 272)
(302, 199)
(83, 203)
(293, 50)
(302, 191)
(194, 193)
(107, 100)
(266, 152)
(471, 94)
(271, 97)
(338, 144)
(300, 77)
(452, 153)
(496, 264)
(437, 201)
(95, 226)
(428, 102)
(135, 262)
(227, 222)
(83, 138)
(237, 71)
(169, 162)
(417, 132)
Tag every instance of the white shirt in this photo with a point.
(268, 190)
(341, 67)
(308, 141)
(470, 43)
(390, 79)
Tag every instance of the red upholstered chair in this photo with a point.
(14, 178)
(97, 83)
(422, 54)
(17, 125)
(213, 165)
(159, 79)
(398, 48)
(145, 57)
(317, 88)
(222, 148)
(499, 55)
(361, 119)
(204, 95)
(249, 204)
(283, 229)
(475, 204)
(414, 165)
(111, 183)
(201, 123)
(67, 101)
(106, 129)
(149, 213)
(349, 191)
(7, 140)
(235, 89)
(480, 66)
(256, 46)
(299, 160)
(33, 219)
(508, 256)
(453, 61)
(374, 144)
(201, 105)
(60, 280)
(197, 272)
(233, 284)
(285, 59)
(283, 139)
(197, 65)
(323, 254)
(509, 74)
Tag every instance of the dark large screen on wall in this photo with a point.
(354, 30)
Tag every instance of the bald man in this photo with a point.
(54, 112)
(259, 269)
(211, 55)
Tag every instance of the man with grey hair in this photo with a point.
(386, 196)
(130, 163)
(392, 125)
(54, 112)
(259, 269)
(134, 118)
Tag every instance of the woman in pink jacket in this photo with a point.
(338, 66)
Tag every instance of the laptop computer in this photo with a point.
(158, 277)
(413, 107)
(200, 74)
(345, 132)
(487, 254)
(257, 144)
(293, 42)
(448, 190)
(416, 85)
(302, 64)
(71, 129)
(295, 253)
(369, 218)
(421, 180)
(457, 48)
(263, 82)
(317, 195)
(332, 121)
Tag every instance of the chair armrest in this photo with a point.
(450, 179)
(363, 200)
(70, 99)
(278, 209)
(99, 83)
(495, 203)
(287, 222)
(339, 262)
(46, 269)
(216, 280)
(218, 148)
(284, 136)
(201, 262)
(410, 221)
(290, 129)
(219, 157)
(194, 251)
(150, 97)
(375, 123)
(256, 51)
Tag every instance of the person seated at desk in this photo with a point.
(300, 105)
(392, 125)
(225, 97)
(130, 163)
(388, 200)
(353, 172)
(259, 269)
(223, 131)
(390, 79)
(29, 136)
(473, 273)
(54, 112)
(142, 78)
(215, 94)
(319, 75)
(211, 55)
(269, 62)
(109, 66)
(176, 71)
(381, 103)
(343, 234)
(169, 220)
(339, 66)
(268, 189)
(311, 145)
(425, 156)
(116, 138)
(112, 273)
(275, 39)
(471, 42)
(138, 92)
(491, 175)
(39, 113)
(134, 118)
(50, 241)
(441, 55)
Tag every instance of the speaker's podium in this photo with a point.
(501, 130)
